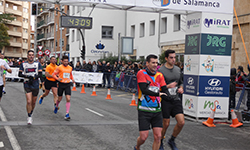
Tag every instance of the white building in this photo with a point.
(144, 27)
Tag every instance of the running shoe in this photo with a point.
(4, 92)
(67, 117)
(171, 143)
(135, 148)
(41, 100)
(56, 109)
(29, 120)
(161, 146)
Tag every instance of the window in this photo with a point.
(27, 20)
(77, 8)
(164, 25)
(56, 27)
(14, 28)
(73, 35)
(142, 29)
(62, 42)
(78, 35)
(1, 3)
(14, 7)
(152, 28)
(107, 32)
(7, 5)
(15, 18)
(177, 22)
(133, 31)
(14, 39)
(73, 10)
(25, 10)
(14, 50)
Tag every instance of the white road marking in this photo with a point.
(1, 144)
(94, 112)
(13, 141)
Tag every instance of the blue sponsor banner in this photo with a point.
(214, 86)
(190, 83)
(215, 44)
(192, 44)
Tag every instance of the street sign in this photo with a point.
(76, 22)
(40, 53)
(47, 52)
(40, 47)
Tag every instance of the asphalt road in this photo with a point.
(99, 124)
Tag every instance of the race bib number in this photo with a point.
(66, 75)
(154, 89)
(172, 91)
(43, 73)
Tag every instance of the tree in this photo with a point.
(162, 58)
(4, 36)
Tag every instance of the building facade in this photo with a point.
(48, 29)
(238, 52)
(19, 28)
(152, 32)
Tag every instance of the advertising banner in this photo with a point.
(190, 84)
(219, 6)
(192, 44)
(215, 65)
(189, 104)
(213, 86)
(217, 23)
(191, 64)
(215, 44)
(13, 74)
(194, 23)
(206, 104)
(87, 77)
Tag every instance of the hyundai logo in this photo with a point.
(190, 81)
(214, 82)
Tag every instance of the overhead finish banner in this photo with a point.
(216, 6)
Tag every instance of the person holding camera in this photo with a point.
(30, 71)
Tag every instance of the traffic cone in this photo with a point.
(133, 103)
(235, 121)
(83, 89)
(108, 95)
(210, 120)
(74, 87)
(94, 92)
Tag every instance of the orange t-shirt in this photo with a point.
(65, 73)
(50, 69)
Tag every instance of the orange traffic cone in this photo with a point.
(74, 87)
(94, 92)
(108, 95)
(210, 120)
(133, 103)
(235, 121)
(83, 89)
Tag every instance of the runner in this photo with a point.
(3, 67)
(30, 71)
(64, 72)
(4, 73)
(50, 82)
(172, 105)
(149, 108)
(43, 64)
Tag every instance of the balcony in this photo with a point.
(12, 54)
(32, 41)
(15, 44)
(41, 23)
(25, 25)
(12, 11)
(41, 36)
(14, 33)
(25, 46)
(67, 47)
(16, 23)
(15, 2)
(50, 35)
(51, 20)
(25, 35)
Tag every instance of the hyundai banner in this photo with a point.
(214, 86)
(190, 84)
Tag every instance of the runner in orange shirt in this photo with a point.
(50, 82)
(64, 72)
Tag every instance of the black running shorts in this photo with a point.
(34, 91)
(49, 84)
(171, 108)
(1, 91)
(64, 87)
(145, 119)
